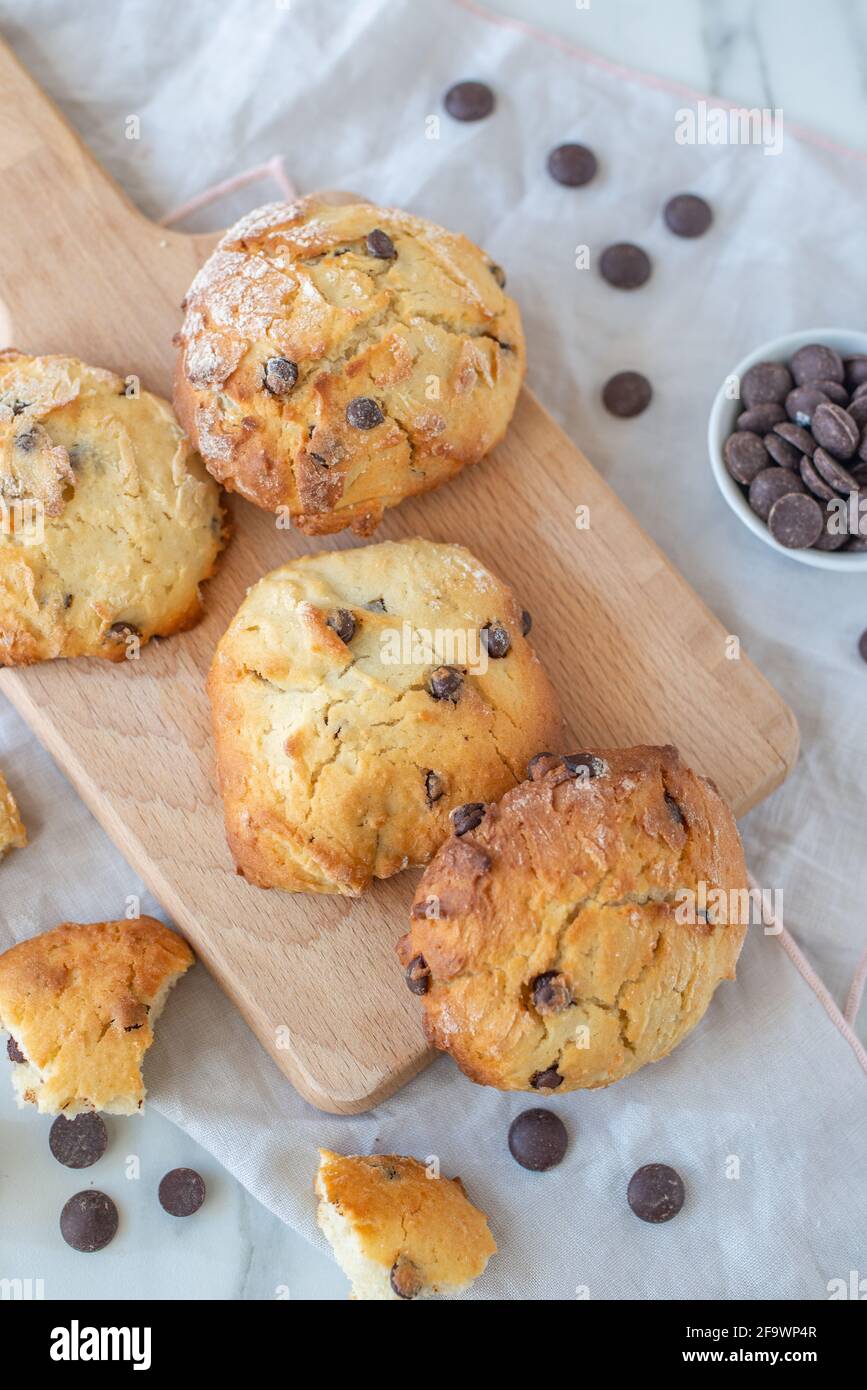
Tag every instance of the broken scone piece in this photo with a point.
(80, 1003)
(396, 1231)
(12, 832)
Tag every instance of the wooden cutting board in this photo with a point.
(634, 653)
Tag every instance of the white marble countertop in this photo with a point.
(808, 58)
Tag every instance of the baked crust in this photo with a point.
(12, 832)
(428, 334)
(553, 939)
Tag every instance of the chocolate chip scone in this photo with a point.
(398, 1231)
(361, 696)
(109, 521)
(336, 359)
(80, 1003)
(565, 941)
(12, 832)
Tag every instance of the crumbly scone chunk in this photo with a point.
(554, 947)
(398, 1232)
(109, 520)
(12, 832)
(306, 309)
(80, 1003)
(352, 714)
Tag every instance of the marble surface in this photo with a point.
(811, 60)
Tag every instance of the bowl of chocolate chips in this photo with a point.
(788, 446)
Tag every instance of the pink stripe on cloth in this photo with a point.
(274, 169)
(856, 990)
(805, 969)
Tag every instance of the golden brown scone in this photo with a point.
(342, 742)
(80, 1003)
(334, 360)
(561, 956)
(12, 832)
(109, 521)
(397, 1232)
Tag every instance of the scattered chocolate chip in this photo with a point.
(833, 472)
(538, 1140)
(835, 430)
(796, 435)
(89, 1221)
(674, 810)
(67, 600)
(469, 101)
(182, 1192)
(814, 482)
(769, 486)
(585, 765)
(626, 394)
(405, 1279)
(572, 165)
(467, 817)
(376, 605)
(342, 622)
(541, 763)
(445, 683)
(122, 632)
(862, 646)
(766, 383)
(655, 1192)
(417, 975)
(855, 368)
(362, 413)
(280, 375)
(380, 244)
(745, 455)
(551, 993)
(687, 215)
(434, 786)
(782, 452)
(625, 266)
(802, 402)
(526, 623)
(547, 1080)
(796, 521)
(762, 418)
(815, 362)
(496, 640)
(498, 273)
(79, 1142)
(13, 1051)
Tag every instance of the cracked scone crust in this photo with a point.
(336, 763)
(396, 1232)
(557, 960)
(12, 832)
(80, 1003)
(131, 521)
(426, 334)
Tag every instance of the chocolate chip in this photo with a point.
(762, 418)
(857, 543)
(782, 452)
(280, 375)
(814, 482)
(835, 430)
(538, 1140)
(445, 683)
(769, 486)
(815, 362)
(496, 640)
(833, 390)
(89, 1221)
(342, 622)
(547, 1080)
(833, 472)
(122, 632)
(417, 975)
(802, 402)
(857, 408)
(855, 368)
(13, 1051)
(469, 101)
(626, 394)
(572, 165)
(434, 786)
(551, 993)
(766, 382)
(655, 1192)
(797, 435)
(362, 413)
(26, 441)
(526, 623)
(625, 266)
(380, 244)
(467, 817)
(796, 521)
(585, 765)
(832, 537)
(674, 810)
(405, 1279)
(541, 763)
(687, 215)
(745, 455)
(182, 1192)
(79, 1142)
(376, 605)
(862, 646)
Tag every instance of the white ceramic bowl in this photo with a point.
(724, 413)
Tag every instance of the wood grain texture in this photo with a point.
(634, 653)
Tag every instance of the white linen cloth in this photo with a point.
(344, 92)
